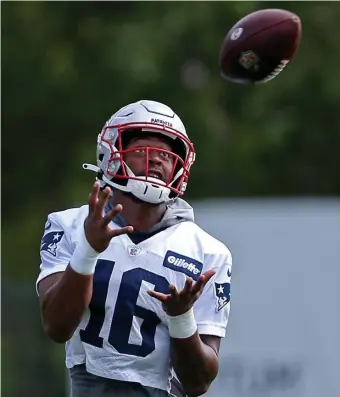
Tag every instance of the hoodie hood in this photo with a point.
(178, 211)
(179, 208)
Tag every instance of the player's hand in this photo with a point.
(179, 302)
(97, 230)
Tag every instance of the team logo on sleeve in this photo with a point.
(50, 241)
(184, 264)
(222, 293)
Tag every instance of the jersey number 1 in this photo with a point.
(125, 309)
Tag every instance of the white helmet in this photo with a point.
(143, 117)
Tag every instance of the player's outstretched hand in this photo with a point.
(97, 230)
(179, 302)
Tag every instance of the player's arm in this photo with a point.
(196, 332)
(65, 296)
(195, 360)
(63, 300)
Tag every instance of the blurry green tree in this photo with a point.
(67, 66)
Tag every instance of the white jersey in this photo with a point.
(124, 333)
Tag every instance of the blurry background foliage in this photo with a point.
(67, 66)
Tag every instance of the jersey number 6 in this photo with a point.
(126, 307)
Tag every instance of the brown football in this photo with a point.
(259, 46)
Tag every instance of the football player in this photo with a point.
(139, 293)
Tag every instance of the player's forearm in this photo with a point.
(195, 363)
(64, 304)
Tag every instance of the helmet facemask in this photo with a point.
(111, 150)
(139, 119)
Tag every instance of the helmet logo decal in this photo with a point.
(135, 120)
(160, 121)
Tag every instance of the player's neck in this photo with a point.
(142, 216)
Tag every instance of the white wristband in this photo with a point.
(182, 326)
(84, 258)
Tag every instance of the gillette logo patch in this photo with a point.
(183, 264)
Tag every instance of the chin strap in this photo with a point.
(104, 181)
(100, 175)
(91, 167)
(137, 188)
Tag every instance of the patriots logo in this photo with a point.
(222, 294)
(50, 241)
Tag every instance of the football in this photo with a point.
(260, 46)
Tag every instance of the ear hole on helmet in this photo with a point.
(101, 156)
